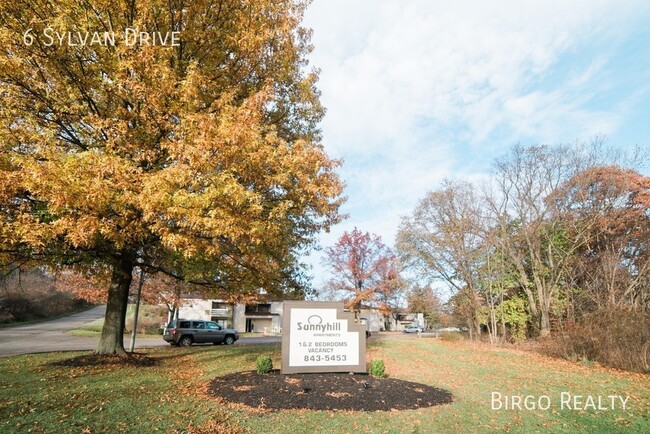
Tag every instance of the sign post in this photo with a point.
(321, 337)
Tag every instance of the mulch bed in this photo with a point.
(130, 359)
(346, 392)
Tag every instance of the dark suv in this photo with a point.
(185, 332)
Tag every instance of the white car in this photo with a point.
(412, 329)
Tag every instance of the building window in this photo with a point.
(224, 323)
(221, 313)
(221, 310)
(262, 308)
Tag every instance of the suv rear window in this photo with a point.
(184, 325)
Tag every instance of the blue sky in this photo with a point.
(419, 91)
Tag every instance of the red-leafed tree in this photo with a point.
(365, 271)
(610, 207)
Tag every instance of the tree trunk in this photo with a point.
(171, 313)
(475, 312)
(494, 335)
(503, 319)
(112, 338)
(545, 322)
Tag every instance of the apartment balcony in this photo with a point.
(221, 313)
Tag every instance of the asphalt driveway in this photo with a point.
(51, 336)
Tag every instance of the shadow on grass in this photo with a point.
(91, 359)
(206, 352)
(376, 342)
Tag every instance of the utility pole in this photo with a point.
(137, 309)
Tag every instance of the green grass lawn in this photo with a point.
(94, 329)
(38, 397)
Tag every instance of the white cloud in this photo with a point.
(421, 90)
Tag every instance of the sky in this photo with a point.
(420, 91)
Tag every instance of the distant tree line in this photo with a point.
(555, 244)
(33, 295)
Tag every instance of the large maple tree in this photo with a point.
(364, 272)
(200, 160)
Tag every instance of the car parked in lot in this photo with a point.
(413, 329)
(185, 332)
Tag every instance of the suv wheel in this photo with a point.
(185, 341)
(229, 340)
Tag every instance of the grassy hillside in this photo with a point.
(150, 318)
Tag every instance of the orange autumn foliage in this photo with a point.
(201, 161)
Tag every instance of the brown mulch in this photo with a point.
(346, 392)
(129, 359)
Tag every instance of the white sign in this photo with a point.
(321, 337)
(318, 338)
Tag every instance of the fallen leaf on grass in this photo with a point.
(242, 388)
(338, 394)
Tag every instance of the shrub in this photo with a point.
(31, 295)
(5, 315)
(264, 364)
(620, 339)
(377, 369)
(149, 319)
(452, 337)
